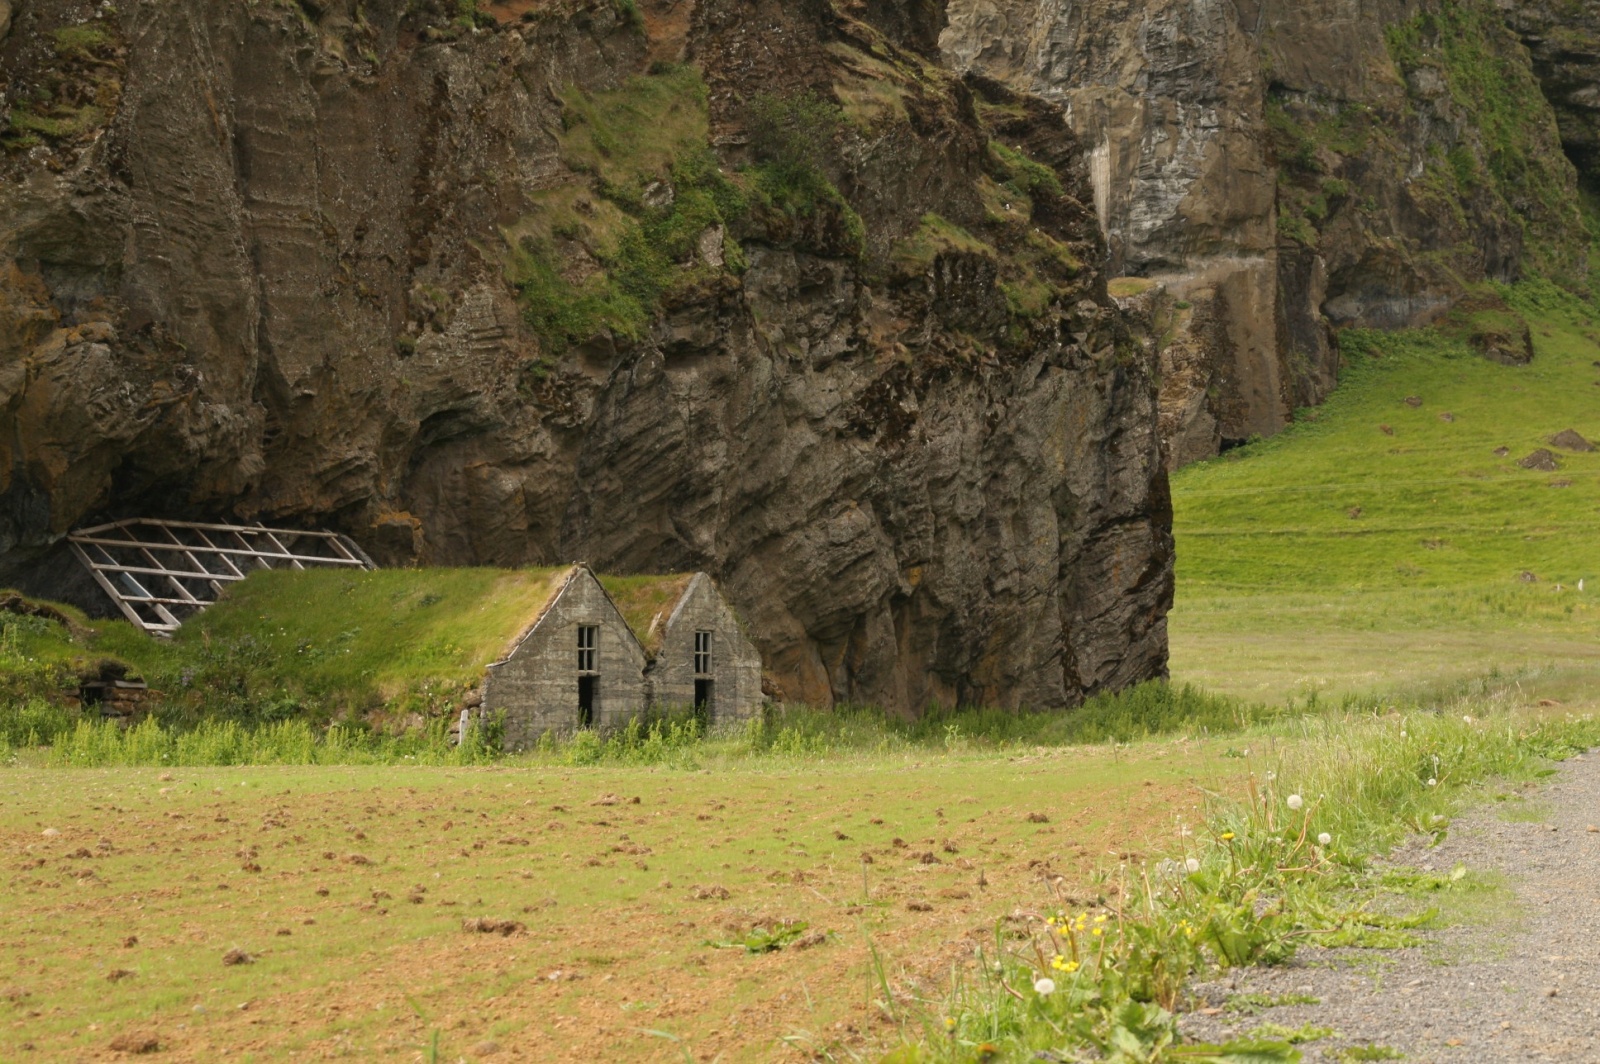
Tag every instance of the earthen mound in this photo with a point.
(1569, 440)
(1542, 460)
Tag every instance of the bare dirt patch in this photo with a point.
(377, 964)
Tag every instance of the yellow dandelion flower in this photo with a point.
(1227, 836)
(1070, 967)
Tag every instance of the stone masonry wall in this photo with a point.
(735, 662)
(537, 685)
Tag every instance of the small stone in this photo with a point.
(50, 833)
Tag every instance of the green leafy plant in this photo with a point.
(766, 940)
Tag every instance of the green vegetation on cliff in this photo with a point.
(653, 216)
(1465, 137)
(1511, 147)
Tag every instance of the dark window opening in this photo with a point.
(702, 701)
(702, 654)
(588, 672)
(586, 692)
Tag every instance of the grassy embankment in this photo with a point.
(1376, 545)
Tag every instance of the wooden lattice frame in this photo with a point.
(160, 573)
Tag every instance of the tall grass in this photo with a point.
(98, 743)
(674, 739)
(808, 733)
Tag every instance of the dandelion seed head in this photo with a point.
(1192, 865)
(1044, 987)
(1295, 802)
(1324, 839)
(1432, 782)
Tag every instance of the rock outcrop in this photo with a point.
(750, 287)
(1287, 168)
(1564, 40)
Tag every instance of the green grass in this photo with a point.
(369, 637)
(1337, 556)
(1290, 860)
(605, 886)
(640, 599)
(313, 644)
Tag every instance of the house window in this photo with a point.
(702, 653)
(588, 673)
(588, 640)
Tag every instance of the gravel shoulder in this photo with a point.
(1515, 974)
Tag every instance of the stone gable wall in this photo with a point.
(537, 685)
(735, 662)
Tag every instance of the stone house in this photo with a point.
(601, 650)
(699, 655)
(576, 664)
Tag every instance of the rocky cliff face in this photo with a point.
(1285, 168)
(1563, 39)
(751, 287)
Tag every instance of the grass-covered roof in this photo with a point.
(646, 600)
(379, 633)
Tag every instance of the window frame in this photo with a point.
(588, 650)
(702, 653)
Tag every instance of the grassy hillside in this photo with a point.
(283, 643)
(1400, 507)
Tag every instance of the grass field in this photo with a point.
(349, 886)
(1379, 541)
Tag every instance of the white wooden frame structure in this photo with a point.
(160, 573)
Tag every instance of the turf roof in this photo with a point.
(377, 633)
(643, 599)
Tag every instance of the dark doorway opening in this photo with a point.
(586, 694)
(702, 701)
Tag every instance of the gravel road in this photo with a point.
(1517, 980)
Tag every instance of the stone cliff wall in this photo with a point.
(1287, 168)
(754, 288)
